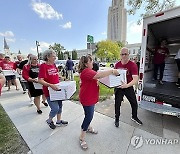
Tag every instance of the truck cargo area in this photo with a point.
(167, 28)
(167, 93)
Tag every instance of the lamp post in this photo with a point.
(37, 45)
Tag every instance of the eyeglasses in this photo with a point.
(124, 54)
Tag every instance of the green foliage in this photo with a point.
(150, 6)
(58, 48)
(105, 92)
(108, 50)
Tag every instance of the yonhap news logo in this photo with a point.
(139, 141)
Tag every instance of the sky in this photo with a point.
(68, 22)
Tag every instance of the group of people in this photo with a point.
(47, 75)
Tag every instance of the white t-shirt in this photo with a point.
(177, 55)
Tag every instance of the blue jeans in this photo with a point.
(56, 107)
(89, 112)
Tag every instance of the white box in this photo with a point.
(8, 72)
(68, 88)
(114, 81)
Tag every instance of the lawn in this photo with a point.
(10, 139)
(105, 92)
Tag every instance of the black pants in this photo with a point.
(130, 95)
(156, 68)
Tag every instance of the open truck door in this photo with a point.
(164, 99)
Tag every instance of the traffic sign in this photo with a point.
(90, 39)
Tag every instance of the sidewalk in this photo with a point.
(64, 140)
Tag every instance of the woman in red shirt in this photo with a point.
(30, 74)
(89, 94)
(7, 64)
(49, 77)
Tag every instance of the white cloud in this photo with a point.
(134, 32)
(7, 34)
(67, 25)
(45, 11)
(43, 46)
(133, 28)
(104, 33)
(10, 39)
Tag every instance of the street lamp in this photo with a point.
(37, 45)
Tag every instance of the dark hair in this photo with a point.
(83, 61)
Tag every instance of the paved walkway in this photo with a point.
(126, 139)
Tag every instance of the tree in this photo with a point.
(150, 6)
(108, 50)
(66, 54)
(120, 44)
(74, 54)
(58, 48)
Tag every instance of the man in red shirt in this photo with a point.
(160, 53)
(126, 88)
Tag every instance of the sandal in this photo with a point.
(92, 131)
(83, 144)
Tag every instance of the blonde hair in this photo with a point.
(31, 58)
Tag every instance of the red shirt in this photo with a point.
(25, 71)
(131, 68)
(50, 74)
(89, 89)
(7, 65)
(160, 55)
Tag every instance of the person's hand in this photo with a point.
(115, 72)
(54, 87)
(123, 85)
(35, 80)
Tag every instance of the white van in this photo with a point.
(164, 99)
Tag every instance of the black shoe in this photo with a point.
(61, 123)
(136, 120)
(51, 124)
(116, 123)
(39, 111)
(45, 104)
(24, 92)
(64, 122)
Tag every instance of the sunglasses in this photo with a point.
(124, 54)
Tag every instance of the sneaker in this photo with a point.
(39, 111)
(177, 84)
(136, 120)
(61, 123)
(51, 124)
(45, 104)
(160, 82)
(116, 123)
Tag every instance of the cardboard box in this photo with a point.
(112, 81)
(8, 72)
(67, 89)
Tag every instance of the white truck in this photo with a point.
(164, 99)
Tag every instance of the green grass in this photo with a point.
(10, 139)
(105, 93)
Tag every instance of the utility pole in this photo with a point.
(37, 45)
